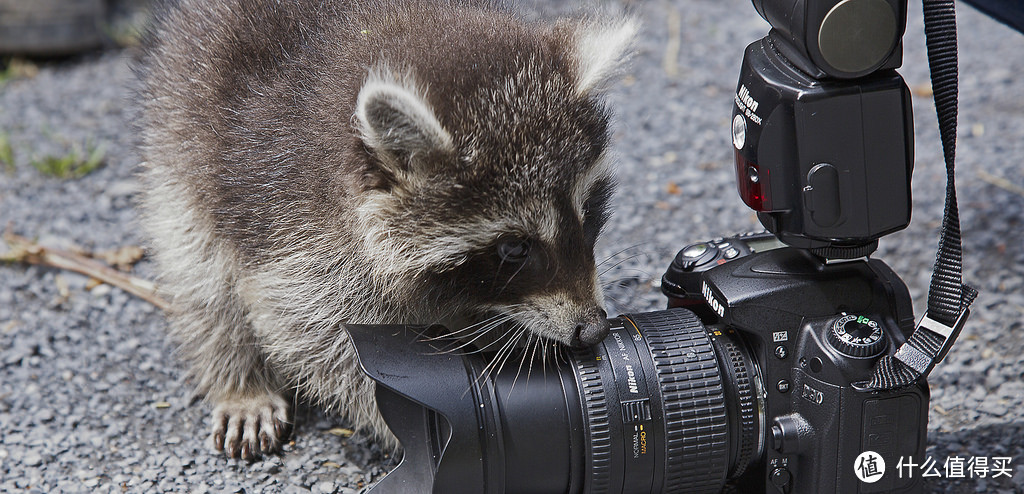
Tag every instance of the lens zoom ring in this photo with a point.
(693, 400)
(596, 403)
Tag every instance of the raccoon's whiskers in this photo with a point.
(616, 281)
(529, 341)
(498, 362)
(606, 259)
(483, 331)
(476, 334)
(472, 328)
(510, 278)
(619, 262)
(509, 348)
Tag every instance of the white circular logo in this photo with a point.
(739, 131)
(869, 467)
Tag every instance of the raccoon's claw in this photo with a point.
(248, 428)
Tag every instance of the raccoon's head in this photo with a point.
(492, 185)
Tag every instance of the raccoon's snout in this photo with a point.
(591, 330)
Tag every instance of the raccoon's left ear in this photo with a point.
(601, 49)
(397, 123)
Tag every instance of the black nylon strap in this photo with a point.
(949, 299)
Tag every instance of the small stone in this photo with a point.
(32, 459)
(293, 464)
(324, 487)
(45, 415)
(101, 290)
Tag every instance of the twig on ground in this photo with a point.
(670, 63)
(1000, 182)
(26, 251)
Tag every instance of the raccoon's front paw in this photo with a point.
(251, 426)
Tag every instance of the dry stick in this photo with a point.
(1000, 182)
(27, 251)
(675, 32)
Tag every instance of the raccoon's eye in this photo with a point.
(514, 250)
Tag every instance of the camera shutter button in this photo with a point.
(695, 251)
(695, 255)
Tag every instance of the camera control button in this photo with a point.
(781, 478)
(782, 386)
(693, 256)
(731, 253)
(777, 437)
(694, 251)
(856, 336)
(781, 353)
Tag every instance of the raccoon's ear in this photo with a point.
(601, 49)
(397, 123)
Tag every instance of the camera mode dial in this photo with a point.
(856, 336)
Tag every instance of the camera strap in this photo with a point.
(949, 299)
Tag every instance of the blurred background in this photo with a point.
(92, 397)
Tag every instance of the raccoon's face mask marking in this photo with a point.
(514, 251)
(534, 283)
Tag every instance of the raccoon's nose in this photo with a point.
(591, 331)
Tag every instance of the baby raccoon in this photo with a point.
(314, 163)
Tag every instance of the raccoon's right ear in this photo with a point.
(397, 123)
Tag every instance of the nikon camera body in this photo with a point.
(814, 332)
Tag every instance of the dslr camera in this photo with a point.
(757, 376)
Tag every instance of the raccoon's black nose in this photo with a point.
(591, 331)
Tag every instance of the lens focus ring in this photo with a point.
(693, 399)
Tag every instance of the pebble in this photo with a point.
(32, 459)
(325, 487)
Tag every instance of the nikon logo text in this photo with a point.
(631, 379)
(713, 302)
(747, 99)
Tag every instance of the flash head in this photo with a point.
(837, 38)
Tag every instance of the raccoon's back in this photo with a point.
(248, 103)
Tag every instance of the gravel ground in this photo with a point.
(92, 398)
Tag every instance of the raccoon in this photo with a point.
(310, 164)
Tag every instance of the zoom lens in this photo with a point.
(663, 404)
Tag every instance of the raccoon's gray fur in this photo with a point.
(313, 163)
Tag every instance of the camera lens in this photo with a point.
(669, 406)
(662, 404)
